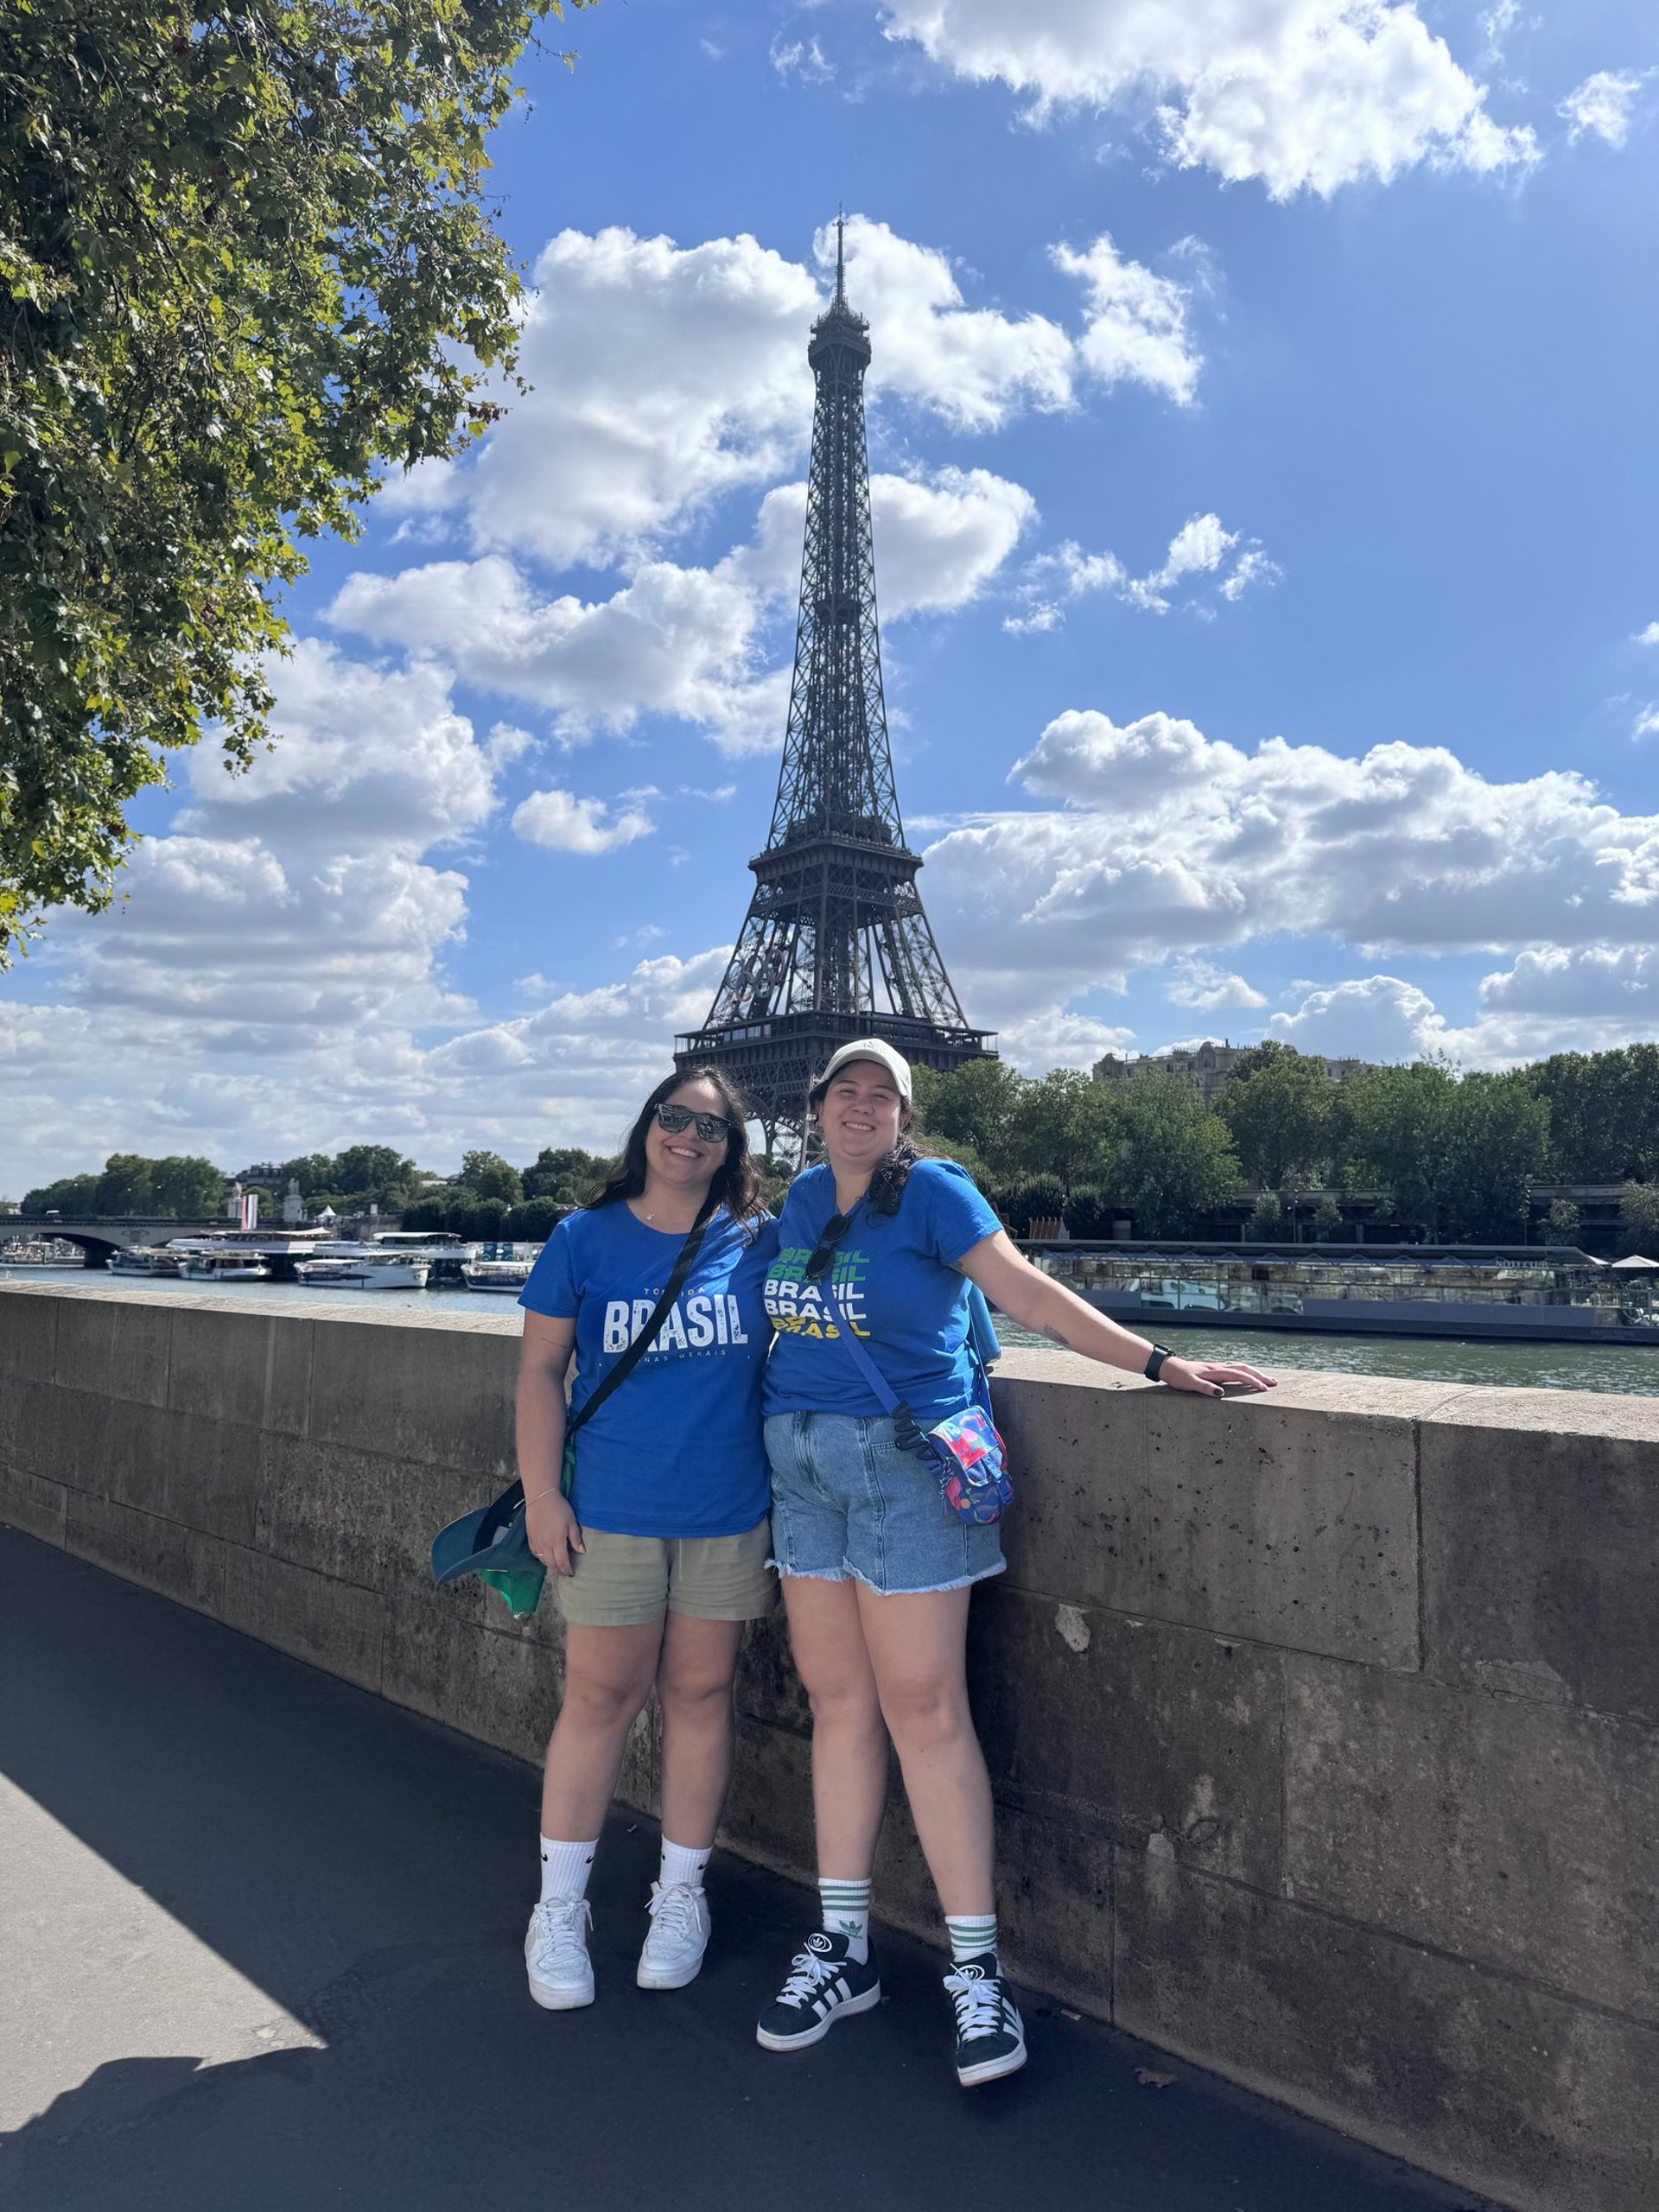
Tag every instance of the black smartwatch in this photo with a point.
(1153, 1367)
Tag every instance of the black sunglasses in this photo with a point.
(713, 1128)
(823, 1251)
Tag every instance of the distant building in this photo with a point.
(1205, 1066)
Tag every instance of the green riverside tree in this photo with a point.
(486, 1175)
(1277, 1104)
(246, 264)
(1174, 1158)
(979, 1105)
(1638, 1220)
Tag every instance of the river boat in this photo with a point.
(504, 1267)
(229, 1266)
(145, 1260)
(368, 1268)
(1491, 1293)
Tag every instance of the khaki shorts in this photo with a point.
(624, 1581)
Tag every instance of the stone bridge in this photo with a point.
(98, 1235)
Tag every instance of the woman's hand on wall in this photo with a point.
(553, 1532)
(1212, 1378)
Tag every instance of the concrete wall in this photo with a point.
(1324, 1729)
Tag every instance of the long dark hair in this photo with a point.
(891, 1170)
(733, 1186)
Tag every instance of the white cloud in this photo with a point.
(1201, 547)
(1647, 722)
(689, 642)
(672, 641)
(1370, 1018)
(1649, 636)
(1552, 998)
(665, 376)
(1168, 843)
(363, 756)
(1053, 1038)
(939, 539)
(1496, 24)
(976, 366)
(1201, 984)
(567, 824)
(1302, 94)
(803, 57)
(1601, 106)
(1136, 329)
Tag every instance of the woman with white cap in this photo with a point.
(879, 1244)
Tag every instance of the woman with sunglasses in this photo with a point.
(660, 1550)
(877, 1571)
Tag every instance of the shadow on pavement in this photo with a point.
(371, 1873)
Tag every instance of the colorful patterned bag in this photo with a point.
(964, 1451)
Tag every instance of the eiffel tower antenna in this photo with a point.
(835, 944)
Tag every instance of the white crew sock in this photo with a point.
(970, 1934)
(682, 1864)
(565, 1868)
(846, 1907)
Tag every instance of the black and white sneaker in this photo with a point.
(824, 1985)
(990, 2041)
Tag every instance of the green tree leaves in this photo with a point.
(1277, 1104)
(245, 265)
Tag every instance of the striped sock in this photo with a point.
(846, 1907)
(970, 1934)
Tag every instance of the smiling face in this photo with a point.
(863, 1116)
(684, 1161)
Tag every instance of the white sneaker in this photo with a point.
(555, 1953)
(677, 1939)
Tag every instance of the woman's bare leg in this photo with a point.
(694, 1687)
(917, 1649)
(608, 1673)
(850, 1744)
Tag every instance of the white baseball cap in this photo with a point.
(872, 1048)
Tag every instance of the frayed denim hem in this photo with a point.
(852, 1574)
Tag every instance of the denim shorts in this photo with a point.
(846, 1501)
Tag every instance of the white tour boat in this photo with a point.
(145, 1260)
(368, 1266)
(500, 1267)
(226, 1265)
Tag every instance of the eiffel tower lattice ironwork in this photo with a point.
(835, 944)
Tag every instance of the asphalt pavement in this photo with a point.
(264, 1953)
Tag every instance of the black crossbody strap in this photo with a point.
(647, 1336)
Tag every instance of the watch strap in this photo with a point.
(1154, 1364)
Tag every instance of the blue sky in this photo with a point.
(1264, 460)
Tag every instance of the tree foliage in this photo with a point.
(1603, 1113)
(486, 1175)
(177, 1188)
(1638, 1220)
(1174, 1158)
(1277, 1104)
(245, 264)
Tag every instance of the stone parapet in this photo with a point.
(1324, 1728)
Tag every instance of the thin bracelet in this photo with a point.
(541, 1494)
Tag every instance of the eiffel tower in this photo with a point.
(835, 944)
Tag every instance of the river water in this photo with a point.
(1632, 1370)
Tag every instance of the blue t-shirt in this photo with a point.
(896, 1275)
(676, 1449)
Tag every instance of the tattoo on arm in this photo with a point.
(1055, 1337)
